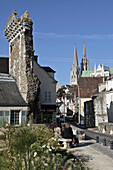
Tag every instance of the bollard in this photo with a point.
(97, 139)
(104, 142)
(111, 144)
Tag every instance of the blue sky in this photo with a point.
(58, 25)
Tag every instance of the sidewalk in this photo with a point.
(94, 156)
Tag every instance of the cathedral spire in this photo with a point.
(75, 58)
(74, 74)
(85, 61)
(84, 53)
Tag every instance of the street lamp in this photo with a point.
(65, 105)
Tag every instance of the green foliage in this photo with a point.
(32, 148)
(60, 92)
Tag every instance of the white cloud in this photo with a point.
(69, 36)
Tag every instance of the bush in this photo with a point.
(32, 148)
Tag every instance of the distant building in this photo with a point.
(68, 101)
(58, 86)
(86, 87)
(100, 71)
(103, 102)
(84, 71)
(75, 70)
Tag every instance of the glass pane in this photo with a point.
(1, 113)
(1, 117)
(6, 116)
(45, 95)
(23, 117)
(15, 117)
(49, 96)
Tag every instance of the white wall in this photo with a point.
(109, 99)
(109, 84)
(109, 104)
(47, 84)
(81, 107)
(101, 87)
(100, 109)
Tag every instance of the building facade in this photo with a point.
(13, 108)
(87, 86)
(103, 103)
(47, 92)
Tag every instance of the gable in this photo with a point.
(42, 74)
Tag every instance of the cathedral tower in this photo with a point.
(85, 61)
(75, 69)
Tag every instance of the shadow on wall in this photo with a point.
(110, 112)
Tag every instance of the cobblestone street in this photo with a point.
(94, 156)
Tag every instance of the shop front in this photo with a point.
(47, 113)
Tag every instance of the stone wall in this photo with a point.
(21, 57)
(106, 128)
(100, 109)
(93, 135)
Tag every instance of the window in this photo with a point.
(1, 117)
(45, 96)
(7, 116)
(23, 117)
(49, 96)
(15, 117)
(4, 116)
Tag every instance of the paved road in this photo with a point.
(95, 156)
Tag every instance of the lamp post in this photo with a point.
(65, 105)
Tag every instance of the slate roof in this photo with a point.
(9, 93)
(88, 86)
(48, 69)
(4, 64)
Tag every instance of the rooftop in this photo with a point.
(9, 93)
(88, 86)
(48, 69)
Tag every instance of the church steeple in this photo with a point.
(75, 58)
(85, 61)
(75, 69)
(84, 53)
